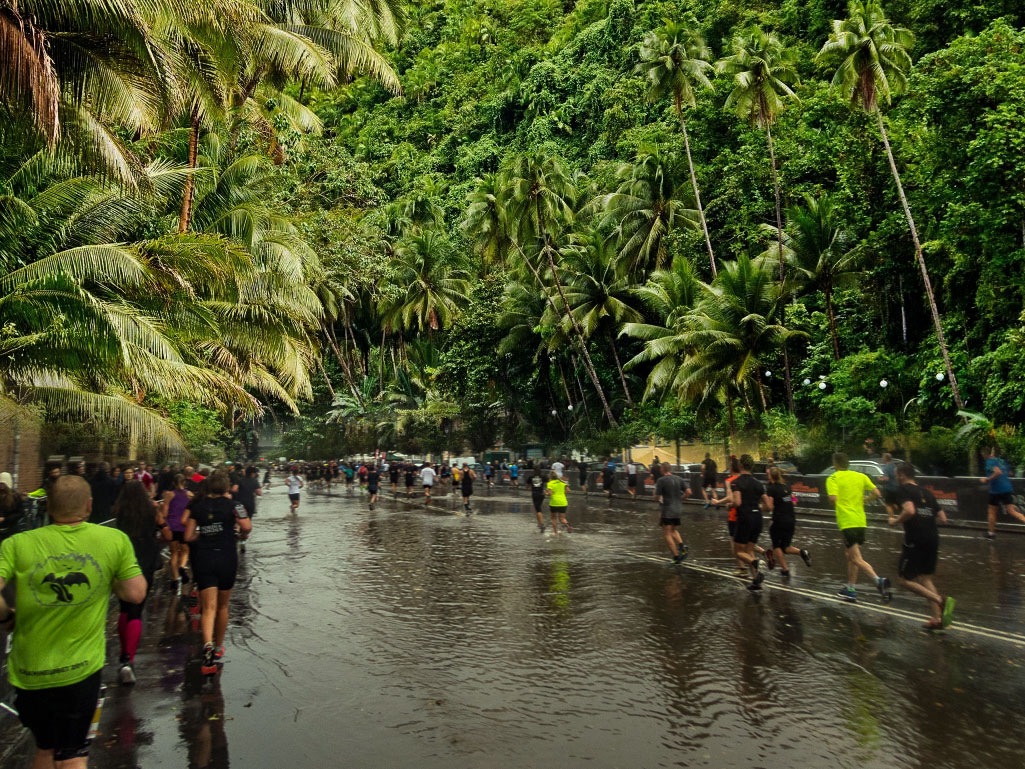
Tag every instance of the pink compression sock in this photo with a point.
(132, 634)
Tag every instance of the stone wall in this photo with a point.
(19, 444)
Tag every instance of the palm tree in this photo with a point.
(872, 60)
(540, 192)
(599, 291)
(432, 286)
(819, 249)
(645, 208)
(485, 221)
(675, 60)
(763, 71)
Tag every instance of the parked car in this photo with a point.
(870, 467)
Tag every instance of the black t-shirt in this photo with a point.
(921, 527)
(410, 476)
(373, 478)
(246, 493)
(782, 503)
(393, 473)
(215, 521)
(751, 490)
(709, 468)
(537, 485)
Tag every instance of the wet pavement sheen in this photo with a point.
(407, 636)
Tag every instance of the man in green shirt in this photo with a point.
(63, 576)
(847, 490)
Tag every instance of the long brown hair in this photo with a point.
(134, 511)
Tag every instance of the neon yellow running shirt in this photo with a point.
(558, 490)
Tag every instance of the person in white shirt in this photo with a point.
(427, 475)
(294, 483)
(631, 478)
(558, 467)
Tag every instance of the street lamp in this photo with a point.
(883, 383)
(569, 407)
(822, 385)
(940, 376)
(554, 412)
(807, 382)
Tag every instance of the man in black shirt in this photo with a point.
(105, 491)
(670, 493)
(748, 497)
(919, 512)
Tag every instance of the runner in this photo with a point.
(514, 475)
(847, 490)
(362, 473)
(175, 504)
(582, 469)
(731, 515)
(631, 479)
(709, 478)
(245, 491)
(487, 475)
(56, 659)
(558, 502)
(455, 478)
(889, 484)
(294, 483)
(919, 512)
(373, 483)
(136, 515)
(410, 469)
(427, 475)
(670, 494)
(781, 530)
(608, 478)
(748, 497)
(537, 496)
(394, 470)
(350, 473)
(558, 466)
(1001, 492)
(211, 530)
(466, 479)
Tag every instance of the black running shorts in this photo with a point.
(59, 718)
(631, 480)
(709, 482)
(293, 497)
(539, 502)
(663, 521)
(214, 568)
(178, 536)
(781, 534)
(890, 497)
(918, 559)
(852, 537)
(749, 528)
(731, 527)
(1007, 498)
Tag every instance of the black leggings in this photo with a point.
(539, 502)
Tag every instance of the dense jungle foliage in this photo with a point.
(569, 224)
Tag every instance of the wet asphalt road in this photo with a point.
(407, 636)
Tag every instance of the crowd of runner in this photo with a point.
(64, 572)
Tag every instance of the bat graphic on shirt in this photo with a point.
(61, 586)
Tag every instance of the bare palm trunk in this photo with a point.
(619, 368)
(922, 266)
(185, 219)
(831, 314)
(782, 271)
(694, 184)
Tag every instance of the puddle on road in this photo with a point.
(406, 636)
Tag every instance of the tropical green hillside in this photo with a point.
(415, 225)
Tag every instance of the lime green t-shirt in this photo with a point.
(558, 489)
(64, 576)
(849, 487)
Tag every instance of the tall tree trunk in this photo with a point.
(694, 184)
(589, 364)
(185, 218)
(327, 379)
(831, 314)
(921, 264)
(619, 368)
(782, 271)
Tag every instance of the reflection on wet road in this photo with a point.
(407, 636)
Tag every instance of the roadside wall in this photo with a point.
(30, 468)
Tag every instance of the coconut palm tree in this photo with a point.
(763, 71)
(432, 285)
(820, 250)
(676, 60)
(871, 56)
(540, 192)
(485, 221)
(599, 291)
(648, 204)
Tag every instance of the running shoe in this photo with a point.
(948, 611)
(883, 586)
(740, 571)
(756, 582)
(849, 594)
(371, 506)
(806, 557)
(683, 551)
(706, 505)
(678, 558)
(209, 665)
(784, 573)
(770, 560)
(541, 528)
(219, 654)
(569, 529)
(126, 676)
(991, 535)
